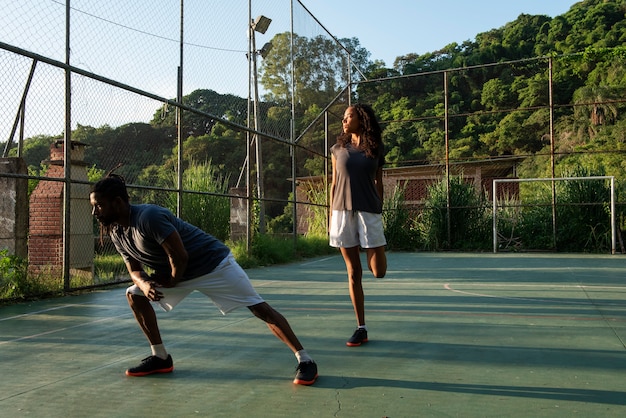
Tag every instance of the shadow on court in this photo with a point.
(467, 335)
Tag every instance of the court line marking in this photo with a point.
(52, 331)
(317, 261)
(42, 311)
(447, 286)
(55, 308)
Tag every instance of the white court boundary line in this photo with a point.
(449, 287)
(52, 331)
(42, 311)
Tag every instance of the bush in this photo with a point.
(13, 275)
(399, 227)
(468, 224)
(266, 250)
(583, 214)
(208, 212)
(15, 282)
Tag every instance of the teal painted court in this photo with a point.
(451, 335)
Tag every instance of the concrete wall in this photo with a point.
(14, 207)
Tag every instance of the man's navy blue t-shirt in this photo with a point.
(150, 225)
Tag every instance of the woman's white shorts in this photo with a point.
(228, 286)
(351, 228)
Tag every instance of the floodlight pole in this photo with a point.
(260, 24)
(447, 147)
(179, 119)
(257, 138)
(248, 137)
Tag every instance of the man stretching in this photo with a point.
(184, 258)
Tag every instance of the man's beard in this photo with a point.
(107, 221)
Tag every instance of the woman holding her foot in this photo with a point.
(356, 196)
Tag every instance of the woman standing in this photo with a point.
(356, 196)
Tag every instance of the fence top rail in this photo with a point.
(111, 82)
(553, 179)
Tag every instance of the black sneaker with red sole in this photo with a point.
(359, 337)
(152, 365)
(306, 373)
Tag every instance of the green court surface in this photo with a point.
(451, 335)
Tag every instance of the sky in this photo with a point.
(401, 27)
(137, 43)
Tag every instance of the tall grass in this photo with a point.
(318, 212)
(583, 214)
(466, 225)
(399, 226)
(208, 212)
(268, 250)
(17, 283)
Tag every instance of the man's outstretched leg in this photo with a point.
(306, 372)
(159, 361)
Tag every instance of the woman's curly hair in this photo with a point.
(371, 137)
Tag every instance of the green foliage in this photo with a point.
(13, 276)
(36, 149)
(267, 250)
(94, 174)
(313, 246)
(205, 101)
(109, 267)
(17, 283)
(317, 216)
(524, 222)
(583, 214)
(465, 225)
(134, 146)
(320, 68)
(283, 223)
(399, 226)
(38, 171)
(209, 212)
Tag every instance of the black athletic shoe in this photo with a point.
(151, 365)
(306, 373)
(359, 337)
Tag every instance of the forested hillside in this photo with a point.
(496, 110)
(589, 81)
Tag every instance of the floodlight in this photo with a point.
(261, 24)
(265, 49)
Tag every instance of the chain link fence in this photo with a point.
(531, 118)
(171, 95)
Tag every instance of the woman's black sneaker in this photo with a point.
(359, 337)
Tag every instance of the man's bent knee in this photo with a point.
(264, 312)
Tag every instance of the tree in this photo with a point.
(598, 103)
(226, 106)
(36, 149)
(320, 67)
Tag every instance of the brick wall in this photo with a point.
(45, 244)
